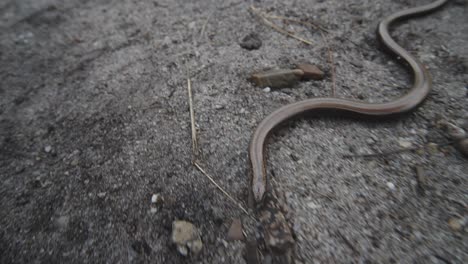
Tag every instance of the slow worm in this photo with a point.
(421, 86)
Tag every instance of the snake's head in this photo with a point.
(258, 190)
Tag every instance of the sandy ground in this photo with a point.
(94, 120)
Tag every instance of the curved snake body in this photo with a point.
(421, 87)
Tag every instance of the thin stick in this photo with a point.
(202, 31)
(195, 149)
(279, 29)
(192, 121)
(332, 64)
(221, 189)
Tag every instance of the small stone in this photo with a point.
(404, 143)
(267, 89)
(455, 224)
(74, 162)
(157, 199)
(235, 231)
(47, 149)
(185, 234)
(251, 42)
(391, 186)
(279, 78)
(313, 205)
(167, 41)
(192, 25)
(219, 107)
(153, 210)
(101, 194)
(311, 72)
(182, 250)
(432, 148)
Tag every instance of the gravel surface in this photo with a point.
(94, 121)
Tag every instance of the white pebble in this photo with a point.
(47, 149)
(313, 205)
(267, 89)
(404, 143)
(154, 198)
(391, 186)
(157, 199)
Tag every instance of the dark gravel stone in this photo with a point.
(251, 42)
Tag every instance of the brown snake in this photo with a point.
(421, 86)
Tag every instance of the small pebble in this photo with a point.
(47, 149)
(182, 250)
(101, 194)
(313, 205)
(267, 89)
(192, 25)
(277, 78)
(185, 235)
(432, 148)
(391, 186)
(455, 224)
(167, 41)
(404, 143)
(74, 161)
(156, 198)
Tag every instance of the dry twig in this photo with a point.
(220, 188)
(277, 28)
(192, 121)
(202, 31)
(195, 149)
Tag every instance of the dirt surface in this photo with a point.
(94, 120)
